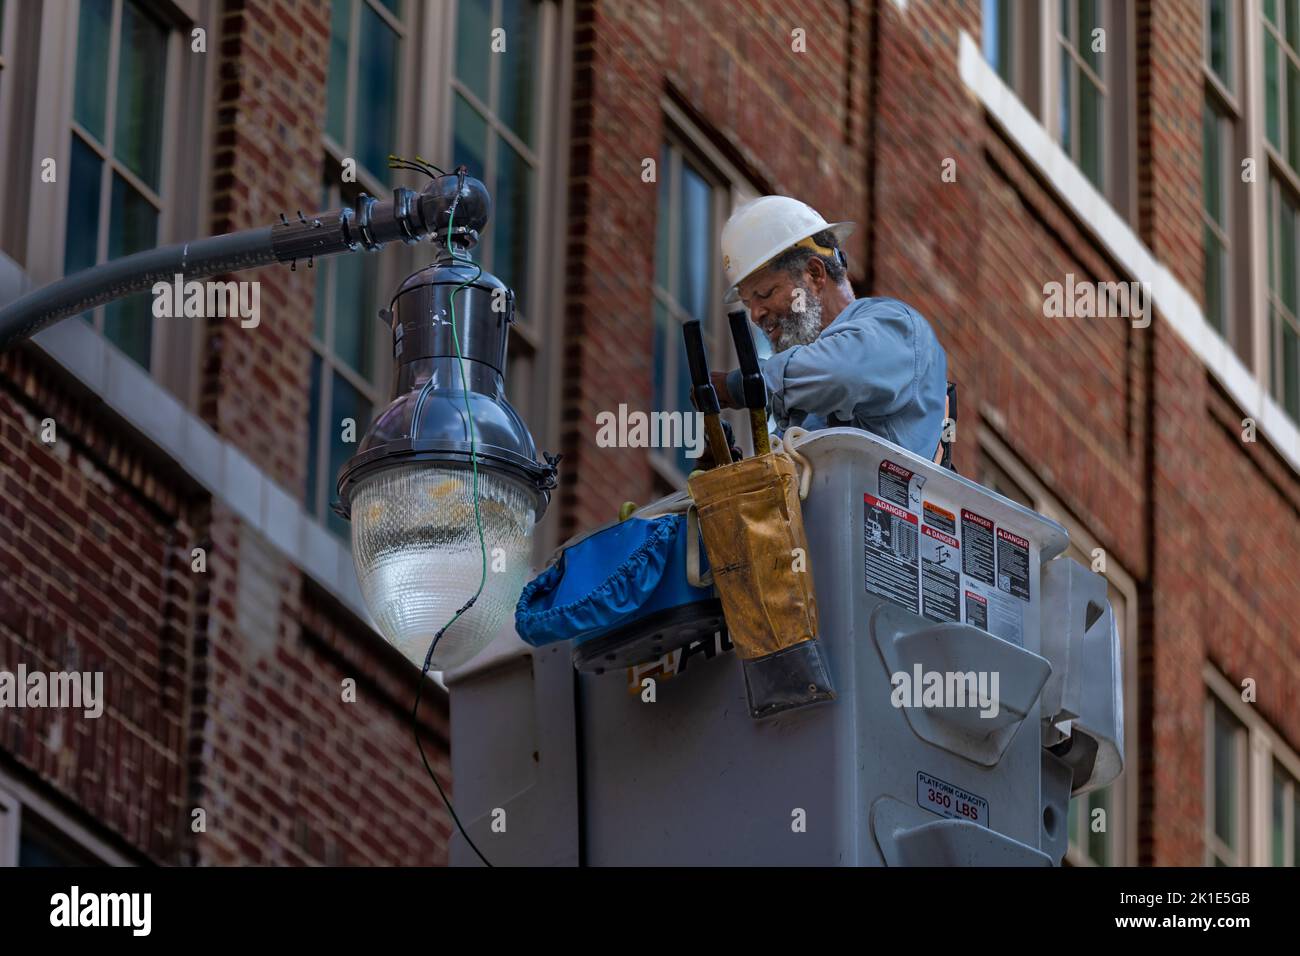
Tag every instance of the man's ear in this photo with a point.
(817, 274)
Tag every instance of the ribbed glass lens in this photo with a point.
(418, 558)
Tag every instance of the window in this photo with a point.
(686, 283)
(368, 89)
(1284, 849)
(496, 126)
(1252, 801)
(1219, 125)
(1282, 79)
(998, 34)
(115, 167)
(1226, 795)
(33, 832)
(1284, 297)
(363, 101)
(1108, 838)
(347, 366)
(1081, 110)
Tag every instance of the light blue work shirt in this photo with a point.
(878, 367)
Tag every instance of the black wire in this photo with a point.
(419, 744)
(428, 657)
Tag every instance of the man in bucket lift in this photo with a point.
(874, 363)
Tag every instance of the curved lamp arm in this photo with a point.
(369, 224)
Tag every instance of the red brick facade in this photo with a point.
(233, 703)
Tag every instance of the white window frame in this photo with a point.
(534, 378)
(185, 163)
(731, 188)
(1122, 827)
(1262, 747)
(528, 383)
(17, 798)
(1274, 174)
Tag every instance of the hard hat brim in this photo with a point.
(840, 230)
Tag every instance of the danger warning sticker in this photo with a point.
(977, 611)
(900, 485)
(890, 548)
(1013, 564)
(977, 555)
(940, 575)
(940, 518)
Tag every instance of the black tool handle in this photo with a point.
(706, 399)
(754, 387)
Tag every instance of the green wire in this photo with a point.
(482, 544)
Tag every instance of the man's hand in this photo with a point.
(719, 380)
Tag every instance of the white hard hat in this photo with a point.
(763, 228)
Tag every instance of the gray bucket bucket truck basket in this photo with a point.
(979, 680)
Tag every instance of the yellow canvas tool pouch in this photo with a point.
(752, 525)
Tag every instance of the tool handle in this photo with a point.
(755, 388)
(706, 398)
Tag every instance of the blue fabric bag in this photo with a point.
(625, 588)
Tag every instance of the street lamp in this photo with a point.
(445, 488)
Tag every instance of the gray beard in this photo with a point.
(799, 328)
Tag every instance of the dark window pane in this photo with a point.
(1295, 824)
(314, 504)
(1212, 163)
(1270, 10)
(695, 248)
(1215, 281)
(139, 108)
(1091, 103)
(1293, 24)
(665, 328)
(474, 45)
(376, 120)
(662, 218)
(81, 247)
(1288, 263)
(1293, 115)
(133, 227)
(1225, 776)
(1089, 20)
(336, 118)
(1218, 40)
(517, 84)
(322, 293)
(1290, 370)
(1065, 128)
(94, 31)
(1272, 91)
(470, 146)
(345, 402)
(356, 284)
(510, 220)
(394, 6)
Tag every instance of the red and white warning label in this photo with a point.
(945, 563)
(890, 544)
(940, 575)
(900, 485)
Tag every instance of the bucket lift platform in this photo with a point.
(921, 575)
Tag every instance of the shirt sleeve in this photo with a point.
(868, 363)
